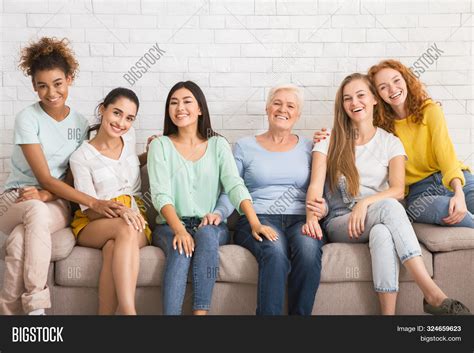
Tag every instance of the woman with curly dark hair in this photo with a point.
(34, 202)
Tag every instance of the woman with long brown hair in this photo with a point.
(365, 177)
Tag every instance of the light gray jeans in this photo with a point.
(390, 235)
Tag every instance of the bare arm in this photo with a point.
(257, 228)
(35, 158)
(318, 177)
(457, 204)
(396, 181)
(315, 193)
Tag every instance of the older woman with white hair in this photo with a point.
(276, 168)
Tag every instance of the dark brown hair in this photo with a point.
(48, 54)
(111, 98)
(204, 128)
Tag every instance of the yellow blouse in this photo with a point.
(429, 147)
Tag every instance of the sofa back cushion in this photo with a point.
(151, 213)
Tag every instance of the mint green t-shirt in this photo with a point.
(193, 187)
(57, 139)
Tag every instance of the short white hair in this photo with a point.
(287, 87)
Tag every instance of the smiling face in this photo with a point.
(283, 111)
(391, 87)
(358, 101)
(183, 108)
(52, 87)
(117, 117)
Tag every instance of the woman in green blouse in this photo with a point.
(188, 169)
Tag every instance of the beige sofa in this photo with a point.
(346, 282)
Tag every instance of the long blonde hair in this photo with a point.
(341, 154)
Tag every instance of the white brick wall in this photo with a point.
(236, 50)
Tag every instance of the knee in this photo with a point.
(128, 234)
(275, 255)
(36, 211)
(390, 207)
(309, 249)
(379, 236)
(208, 237)
(390, 204)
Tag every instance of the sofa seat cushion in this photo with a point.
(82, 267)
(352, 262)
(341, 262)
(62, 243)
(438, 238)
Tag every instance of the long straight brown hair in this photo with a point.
(341, 154)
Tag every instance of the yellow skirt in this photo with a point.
(81, 220)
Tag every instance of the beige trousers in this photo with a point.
(28, 226)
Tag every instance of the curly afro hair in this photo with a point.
(48, 54)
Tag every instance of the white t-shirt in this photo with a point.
(372, 160)
(105, 178)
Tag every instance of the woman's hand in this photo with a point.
(148, 141)
(266, 231)
(132, 218)
(183, 241)
(318, 207)
(320, 135)
(210, 219)
(312, 229)
(32, 193)
(107, 208)
(457, 209)
(357, 219)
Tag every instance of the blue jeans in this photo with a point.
(205, 264)
(428, 200)
(294, 257)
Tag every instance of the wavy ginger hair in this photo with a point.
(341, 154)
(416, 95)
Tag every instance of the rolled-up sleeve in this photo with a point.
(82, 176)
(158, 173)
(230, 177)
